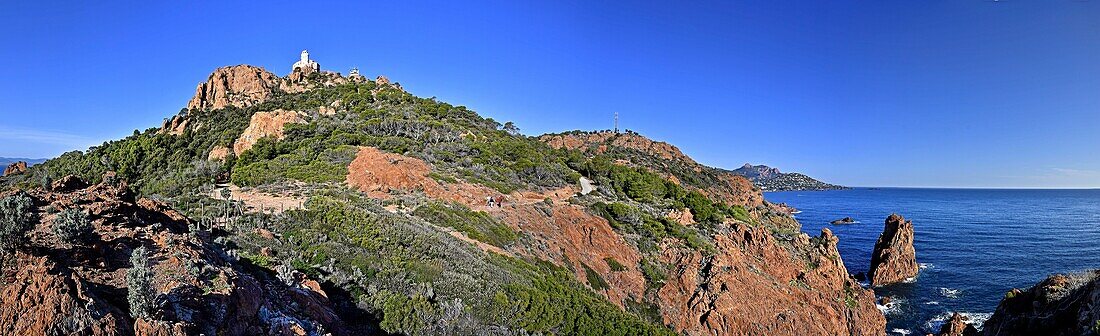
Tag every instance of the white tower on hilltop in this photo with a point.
(306, 64)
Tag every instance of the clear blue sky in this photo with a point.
(867, 93)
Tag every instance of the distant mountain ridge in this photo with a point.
(4, 161)
(771, 179)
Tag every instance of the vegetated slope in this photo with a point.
(409, 235)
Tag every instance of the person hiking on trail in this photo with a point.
(489, 201)
(499, 200)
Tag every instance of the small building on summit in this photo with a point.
(306, 64)
(354, 75)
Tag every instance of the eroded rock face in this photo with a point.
(15, 168)
(894, 259)
(265, 124)
(55, 288)
(238, 85)
(753, 286)
(1061, 305)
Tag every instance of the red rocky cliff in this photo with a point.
(755, 286)
(894, 259)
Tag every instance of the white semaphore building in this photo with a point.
(305, 63)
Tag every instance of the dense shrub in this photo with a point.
(475, 224)
(17, 217)
(628, 219)
(72, 227)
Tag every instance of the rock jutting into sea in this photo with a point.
(894, 258)
(1063, 304)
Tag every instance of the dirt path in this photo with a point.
(257, 201)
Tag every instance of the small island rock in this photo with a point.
(845, 220)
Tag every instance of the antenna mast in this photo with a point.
(616, 122)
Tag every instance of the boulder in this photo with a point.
(893, 259)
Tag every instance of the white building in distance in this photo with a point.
(305, 63)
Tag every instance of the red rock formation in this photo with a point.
(756, 287)
(175, 125)
(54, 288)
(15, 168)
(238, 85)
(1063, 304)
(894, 259)
(265, 124)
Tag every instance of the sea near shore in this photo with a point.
(973, 244)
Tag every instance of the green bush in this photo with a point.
(655, 274)
(594, 279)
(139, 282)
(614, 264)
(630, 220)
(17, 217)
(72, 227)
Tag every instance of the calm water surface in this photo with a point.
(974, 244)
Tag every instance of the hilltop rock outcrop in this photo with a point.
(894, 258)
(16, 168)
(238, 85)
(1061, 305)
(52, 287)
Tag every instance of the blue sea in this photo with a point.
(974, 245)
